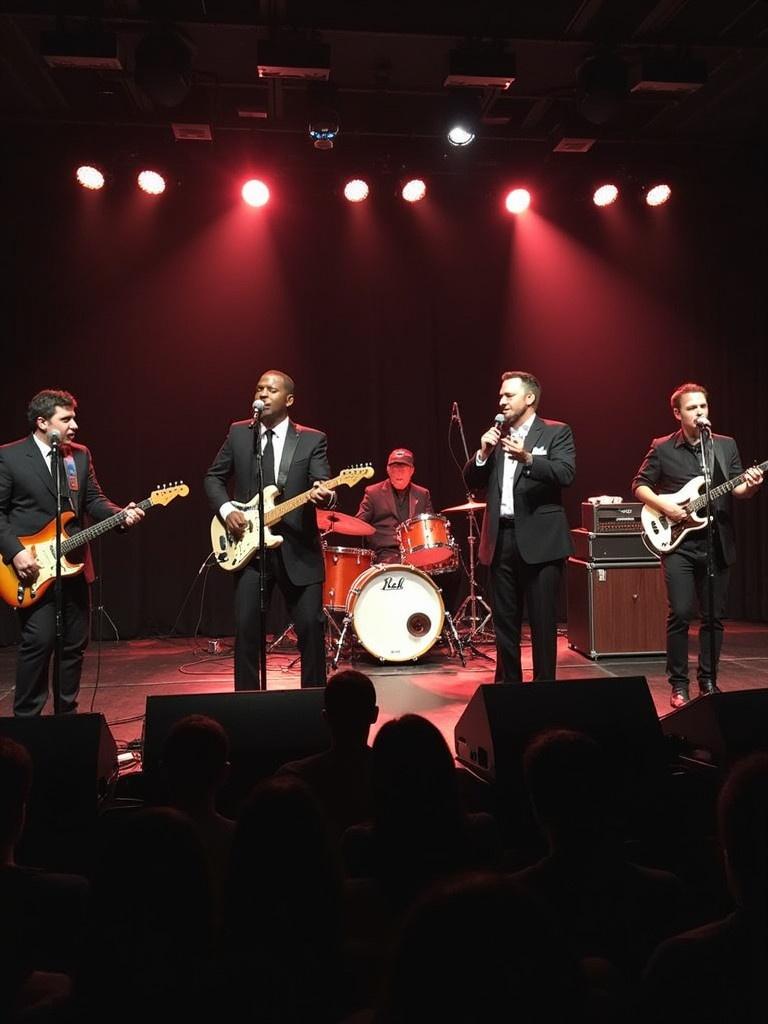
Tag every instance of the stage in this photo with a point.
(118, 678)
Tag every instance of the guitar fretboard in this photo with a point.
(721, 489)
(277, 513)
(91, 532)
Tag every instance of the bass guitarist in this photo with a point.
(27, 504)
(294, 458)
(671, 463)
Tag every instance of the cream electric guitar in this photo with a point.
(231, 554)
(20, 594)
(661, 535)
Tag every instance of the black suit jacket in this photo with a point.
(304, 460)
(378, 507)
(28, 496)
(541, 526)
(665, 472)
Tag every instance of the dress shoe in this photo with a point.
(679, 697)
(708, 687)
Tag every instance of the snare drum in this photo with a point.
(342, 567)
(397, 612)
(425, 540)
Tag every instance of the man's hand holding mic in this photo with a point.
(491, 437)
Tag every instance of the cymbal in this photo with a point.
(339, 522)
(470, 506)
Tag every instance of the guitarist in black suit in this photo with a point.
(295, 458)
(670, 464)
(522, 465)
(27, 505)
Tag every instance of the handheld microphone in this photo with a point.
(498, 420)
(258, 409)
(702, 423)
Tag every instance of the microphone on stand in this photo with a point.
(703, 424)
(54, 437)
(455, 412)
(258, 409)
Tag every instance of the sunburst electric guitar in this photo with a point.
(231, 554)
(661, 535)
(22, 594)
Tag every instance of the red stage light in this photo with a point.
(658, 195)
(151, 182)
(356, 190)
(414, 190)
(90, 177)
(518, 200)
(255, 192)
(605, 195)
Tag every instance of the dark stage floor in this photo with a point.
(437, 687)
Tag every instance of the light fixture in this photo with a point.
(151, 182)
(602, 85)
(89, 177)
(604, 195)
(463, 121)
(356, 190)
(324, 127)
(255, 193)
(414, 190)
(657, 195)
(518, 200)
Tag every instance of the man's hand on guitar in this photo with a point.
(320, 495)
(753, 477)
(676, 513)
(133, 514)
(236, 523)
(26, 566)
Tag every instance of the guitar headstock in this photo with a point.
(354, 474)
(165, 493)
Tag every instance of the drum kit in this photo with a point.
(396, 610)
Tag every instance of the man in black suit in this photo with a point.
(295, 458)
(670, 464)
(522, 465)
(27, 504)
(390, 502)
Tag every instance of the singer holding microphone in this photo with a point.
(522, 465)
(27, 505)
(672, 461)
(295, 458)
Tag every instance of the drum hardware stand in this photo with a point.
(340, 642)
(454, 640)
(469, 610)
(279, 639)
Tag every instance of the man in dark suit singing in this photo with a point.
(27, 505)
(295, 458)
(390, 502)
(522, 464)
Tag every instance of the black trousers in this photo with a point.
(305, 606)
(685, 573)
(38, 638)
(513, 584)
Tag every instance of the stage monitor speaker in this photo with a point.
(501, 719)
(74, 760)
(266, 728)
(717, 729)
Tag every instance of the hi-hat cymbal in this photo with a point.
(339, 522)
(470, 506)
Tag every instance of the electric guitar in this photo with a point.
(231, 554)
(23, 593)
(661, 535)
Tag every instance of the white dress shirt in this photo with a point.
(279, 434)
(507, 507)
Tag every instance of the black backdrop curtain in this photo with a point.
(161, 315)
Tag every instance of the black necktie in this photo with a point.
(268, 461)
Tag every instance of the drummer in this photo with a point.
(391, 502)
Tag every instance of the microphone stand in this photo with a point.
(256, 427)
(58, 597)
(468, 609)
(704, 433)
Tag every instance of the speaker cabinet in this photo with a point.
(716, 730)
(616, 609)
(266, 728)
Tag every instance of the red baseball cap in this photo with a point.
(400, 455)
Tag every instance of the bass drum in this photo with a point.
(397, 612)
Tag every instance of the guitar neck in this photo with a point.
(277, 513)
(721, 489)
(91, 532)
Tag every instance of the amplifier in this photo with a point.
(624, 518)
(610, 547)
